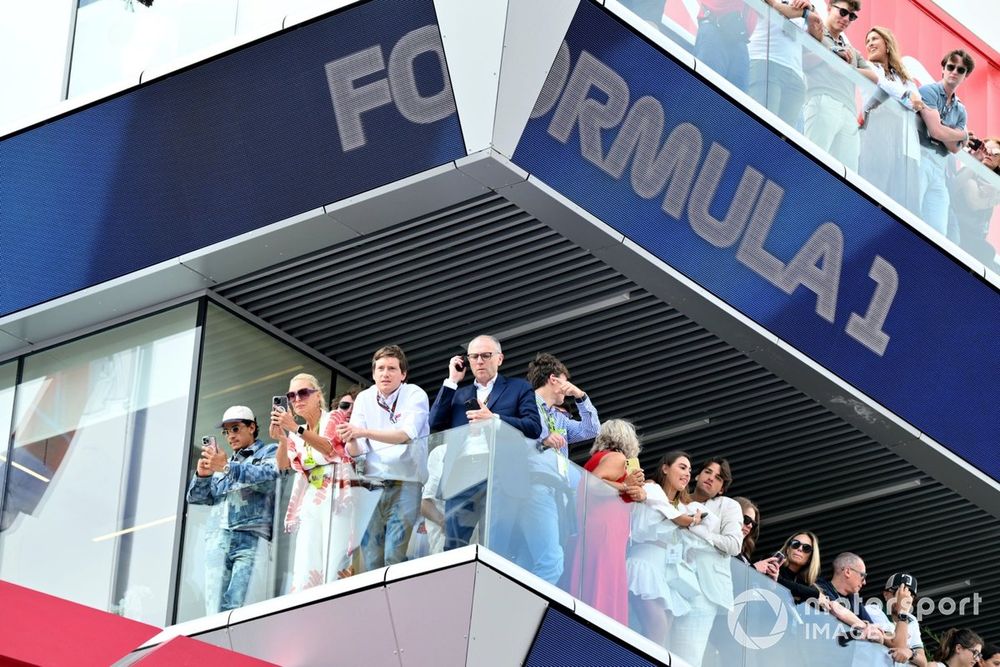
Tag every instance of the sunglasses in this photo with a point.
(801, 546)
(235, 428)
(847, 12)
(345, 405)
(863, 575)
(956, 68)
(749, 521)
(485, 356)
(301, 394)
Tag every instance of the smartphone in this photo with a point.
(631, 465)
(779, 556)
(459, 366)
(471, 404)
(209, 441)
(280, 402)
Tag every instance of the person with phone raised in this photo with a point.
(491, 394)
(244, 484)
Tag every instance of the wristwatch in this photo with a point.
(225, 469)
(903, 616)
(301, 430)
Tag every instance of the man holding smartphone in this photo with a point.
(490, 394)
(244, 485)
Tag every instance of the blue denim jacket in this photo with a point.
(247, 491)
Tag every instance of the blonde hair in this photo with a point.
(892, 55)
(617, 435)
(311, 379)
(812, 569)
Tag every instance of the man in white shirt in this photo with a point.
(387, 434)
(721, 538)
(901, 628)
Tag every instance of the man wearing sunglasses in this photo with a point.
(942, 132)
(490, 394)
(844, 588)
(244, 484)
(831, 114)
(388, 430)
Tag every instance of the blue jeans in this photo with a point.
(240, 549)
(934, 198)
(537, 546)
(391, 524)
(462, 512)
(723, 52)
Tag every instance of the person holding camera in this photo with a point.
(490, 394)
(244, 484)
(308, 449)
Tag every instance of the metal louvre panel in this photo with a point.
(485, 265)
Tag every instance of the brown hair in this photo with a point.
(542, 367)
(954, 638)
(855, 5)
(660, 477)
(750, 541)
(724, 470)
(391, 351)
(967, 60)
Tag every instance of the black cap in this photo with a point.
(901, 579)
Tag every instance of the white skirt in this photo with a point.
(646, 568)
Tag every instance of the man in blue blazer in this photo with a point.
(511, 399)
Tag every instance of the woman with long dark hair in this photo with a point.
(657, 548)
(959, 647)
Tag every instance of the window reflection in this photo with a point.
(96, 466)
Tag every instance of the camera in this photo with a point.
(975, 144)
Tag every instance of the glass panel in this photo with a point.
(117, 39)
(91, 513)
(8, 377)
(34, 40)
(241, 366)
(872, 128)
(708, 608)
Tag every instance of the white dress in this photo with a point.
(655, 538)
(309, 513)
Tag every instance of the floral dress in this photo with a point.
(320, 488)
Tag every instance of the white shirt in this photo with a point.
(869, 653)
(722, 525)
(779, 40)
(409, 413)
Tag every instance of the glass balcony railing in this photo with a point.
(872, 129)
(490, 485)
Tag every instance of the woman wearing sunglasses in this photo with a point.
(800, 569)
(304, 445)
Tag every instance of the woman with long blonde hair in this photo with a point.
(311, 449)
(890, 149)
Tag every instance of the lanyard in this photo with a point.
(382, 404)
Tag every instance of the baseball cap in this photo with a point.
(237, 413)
(901, 579)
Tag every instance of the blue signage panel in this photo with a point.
(321, 112)
(649, 148)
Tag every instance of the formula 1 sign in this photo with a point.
(649, 148)
(332, 108)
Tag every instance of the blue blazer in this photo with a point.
(511, 398)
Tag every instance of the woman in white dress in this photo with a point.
(307, 449)
(657, 547)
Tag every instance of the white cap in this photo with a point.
(237, 413)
